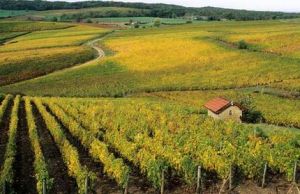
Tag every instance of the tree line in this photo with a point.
(153, 10)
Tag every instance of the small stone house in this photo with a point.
(221, 108)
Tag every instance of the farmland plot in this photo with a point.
(158, 136)
(68, 147)
(43, 51)
(173, 58)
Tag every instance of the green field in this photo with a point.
(144, 21)
(124, 109)
(12, 13)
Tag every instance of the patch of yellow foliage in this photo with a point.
(161, 52)
(19, 56)
(55, 38)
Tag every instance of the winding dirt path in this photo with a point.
(100, 53)
(92, 44)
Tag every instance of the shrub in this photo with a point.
(54, 19)
(243, 45)
(89, 21)
(136, 25)
(250, 114)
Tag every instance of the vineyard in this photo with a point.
(90, 108)
(270, 106)
(198, 58)
(95, 145)
(33, 49)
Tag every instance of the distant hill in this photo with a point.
(154, 10)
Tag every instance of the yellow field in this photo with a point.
(45, 39)
(292, 85)
(144, 91)
(276, 110)
(19, 56)
(40, 52)
(169, 58)
(276, 42)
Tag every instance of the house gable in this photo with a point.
(220, 108)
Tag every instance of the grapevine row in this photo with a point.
(4, 105)
(7, 173)
(69, 153)
(148, 162)
(40, 166)
(98, 150)
(217, 146)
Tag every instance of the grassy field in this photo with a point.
(13, 13)
(139, 19)
(142, 21)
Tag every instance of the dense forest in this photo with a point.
(153, 10)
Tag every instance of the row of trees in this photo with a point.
(153, 10)
(100, 14)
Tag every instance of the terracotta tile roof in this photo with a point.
(216, 105)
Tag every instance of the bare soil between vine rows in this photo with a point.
(63, 183)
(25, 181)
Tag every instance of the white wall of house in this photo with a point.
(231, 113)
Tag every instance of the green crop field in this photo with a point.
(124, 109)
(143, 21)
(12, 13)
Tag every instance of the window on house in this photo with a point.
(230, 112)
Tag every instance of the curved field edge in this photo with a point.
(45, 63)
(55, 55)
(31, 26)
(170, 59)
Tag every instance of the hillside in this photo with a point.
(150, 10)
(209, 59)
(113, 105)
